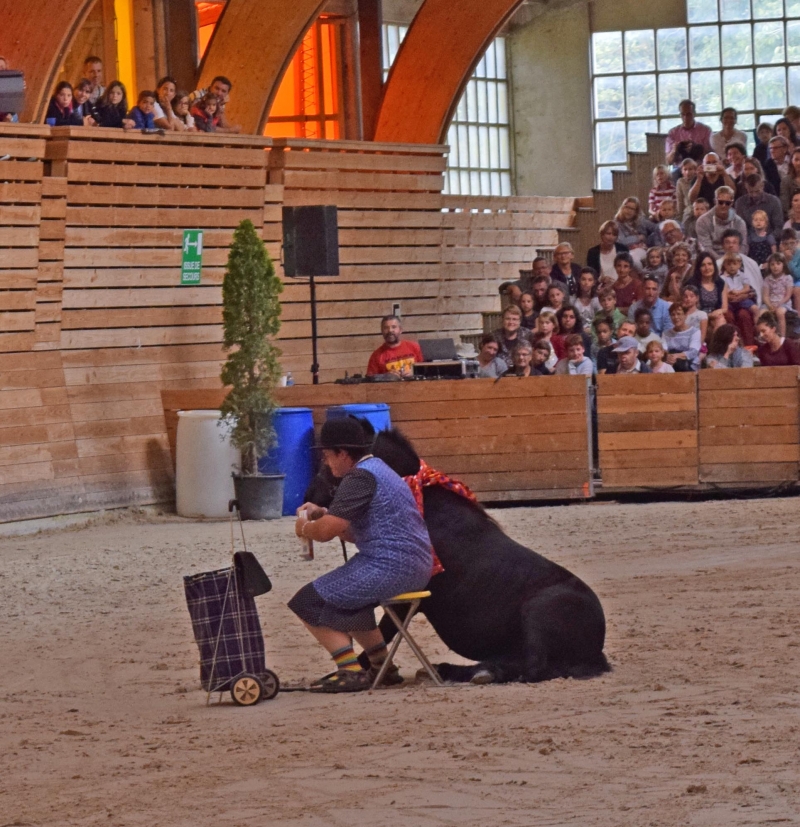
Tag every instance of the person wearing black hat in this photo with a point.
(375, 509)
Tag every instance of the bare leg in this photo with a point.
(781, 312)
(331, 639)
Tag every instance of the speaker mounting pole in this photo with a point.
(314, 360)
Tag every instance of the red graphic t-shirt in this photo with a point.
(398, 359)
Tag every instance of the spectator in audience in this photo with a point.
(396, 355)
(713, 224)
(672, 287)
(790, 183)
(112, 107)
(576, 363)
(691, 139)
(725, 350)
(541, 355)
(778, 289)
(540, 268)
(672, 233)
(682, 342)
(541, 284)
(690, 298)
(570, 323)
(204, 113)
(93, 72)
(778, 162)
(529, 312)
(608, 307)
(752, 166)
(659, 309)
(655, 262)
(683, 187)
(490, 365)
(711, 288)
(699, 207)
(634, 228)
(792, 255)
(522, 358)
(761, 242)
(793, 219)
(510, 334)
(606, 357)
(601, 257)
(741, 296)
(792, 113)
(602, 337)
(756, 199)
(666, 219)
(180, 109)
(764, 134)
(732, 243)
(711, 175)
(586, 302)
(83, 111)
(221, 88)
(142, 113)
(662, 189)
(59, 112)
(735, 153)
(627, 350)
(163, 114)
(6, 117)
(627, 288)
(548, 330)
(728, 134)
(785, 128)
(775, 350)
(556, 297)
(565, 269)
(644, 329)
(679, 259)
(654, 353)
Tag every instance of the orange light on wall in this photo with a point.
(208, 15)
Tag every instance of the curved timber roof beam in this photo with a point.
(438, 55)
(254, 42)
(34, 36)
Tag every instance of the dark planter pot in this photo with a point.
(261, 497)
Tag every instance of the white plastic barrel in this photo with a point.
(205, 459)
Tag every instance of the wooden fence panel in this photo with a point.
(647, 430)
(749, 426)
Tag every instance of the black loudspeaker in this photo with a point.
(310, 241)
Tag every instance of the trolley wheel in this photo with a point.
(271, 685)
(247, 690)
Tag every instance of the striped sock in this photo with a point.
(377, 654)
(345, 658)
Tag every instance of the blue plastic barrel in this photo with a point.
(377, 414)
(293, 455)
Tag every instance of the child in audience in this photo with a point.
(112, 107)
(654, 352)
(602, 336)
(662, 189)
(667, 211)
(586, 302)
(655, 264)
(204, 113)
(685, 183)
(682, 343)
(643, 319)
(725, 350)
(761, 242)
(556, 297)
(608, 307)
(699, 207)
(570, 322)
(180, 109)
(541, 355)
(142, 114)
(547, 326)
(526, 302)
(778, 289)
(695, 317)
(739, 291)
(607, 358)
(627, 288)
(60, 108)
(576, 363)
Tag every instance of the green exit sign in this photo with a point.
(192, 262)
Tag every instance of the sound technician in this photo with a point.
(396, 354)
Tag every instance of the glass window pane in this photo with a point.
(463, 145)
(480, 69)
(637, 132)
(461, 111)
(735, 9)
(463, 185)
(704, 46)
(738, 86)
(609, 101)
(747, 123)
(474, 146)
(767, 9)
(640, 51)
(611, 147)
(771, 88)
(474, 183)
(496, 189)
(641, 95)
(505, 184)
(502, 103)
(604, 176)
(472, 101)
(793, 43)
(736, 47)
(505, 148)
(607, 50)
(793, 8)
(665, 124)
(701, 11)
(794, 83)
(768, 42)
(483, 109)
(706, 92)
(672, 48)
(489, 57)
(491, 95)
(494, 149)
(672, 89)
(500, 46)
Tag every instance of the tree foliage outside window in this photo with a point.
(738, 53)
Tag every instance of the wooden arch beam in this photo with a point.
(34, 36)
(435, 61)
(254, 43)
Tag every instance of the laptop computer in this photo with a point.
(438, 350)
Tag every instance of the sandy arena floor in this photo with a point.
(102, 721)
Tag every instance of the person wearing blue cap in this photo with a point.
(374, 508)
(628, 361)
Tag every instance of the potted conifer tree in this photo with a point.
(251, 311)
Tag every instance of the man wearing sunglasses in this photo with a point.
(712, 226)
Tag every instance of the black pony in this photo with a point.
(519, 615)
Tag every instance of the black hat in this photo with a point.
(345, 433)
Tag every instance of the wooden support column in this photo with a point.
(149, 42)
(180, 25)
(370, 22)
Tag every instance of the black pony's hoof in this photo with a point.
(482, 677)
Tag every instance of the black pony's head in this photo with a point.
(397, 452)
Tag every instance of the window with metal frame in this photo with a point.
(739, 53)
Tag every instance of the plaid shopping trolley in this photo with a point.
(227, 629)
